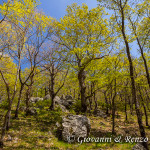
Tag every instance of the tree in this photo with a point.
(120, 8)
(139, 20)
(53, 62)
(85, 37)
(15, 17)
(33, 44)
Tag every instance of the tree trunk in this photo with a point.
(27, 101)
(74, 93)
(5, 124)
(145, 111)
(134, 99)
(81, 78)
(19, 100)
(52, 93)
(145, 63)
(147, 100)
(125, 108)
(106, 101)
(90, 98)
(113, 109)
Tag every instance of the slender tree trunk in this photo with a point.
(113, 109)
(145, 111)
(134, 99)
(147, 100)
(145, 63)
(126, 108)
(90, 98)
(19, 100)
(8, 122)
(142, 53)
(74, 93)
(52, 93)
(106, 101)
(5, 124)
(146, 117)
(27, 101)
(45, 91)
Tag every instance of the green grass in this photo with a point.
(30, 133)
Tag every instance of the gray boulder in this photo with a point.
(138, 146)
(63, 97)
(47, 97)
(68, 101)
(75, 126)
(99, 113)
(32, 111)
(35, 99)
(62, 107)
(68, 97)
(57, 100)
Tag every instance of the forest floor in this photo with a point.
(26, 133)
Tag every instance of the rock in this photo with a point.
(47, 97)
(57, 100)
(63, 97)
(63, 108)
(68, 101)
(74, 126)
(68, 97)
(32, 111)
(138, 147)
(100, 113)
(35, 99)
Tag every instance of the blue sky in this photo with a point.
(57, 8)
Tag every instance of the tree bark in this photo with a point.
(81, 78)
(113, 109)
(19, 100)
(51, 87)
(106, 101)
(145, 111)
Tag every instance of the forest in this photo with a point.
(78, 82)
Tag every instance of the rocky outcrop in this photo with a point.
(47, 97)
(64, 102)
(63, 108)
(75, 126)
(68, 101)
(58, 101)
(35, 99)
(32, 111)
(138, 147)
